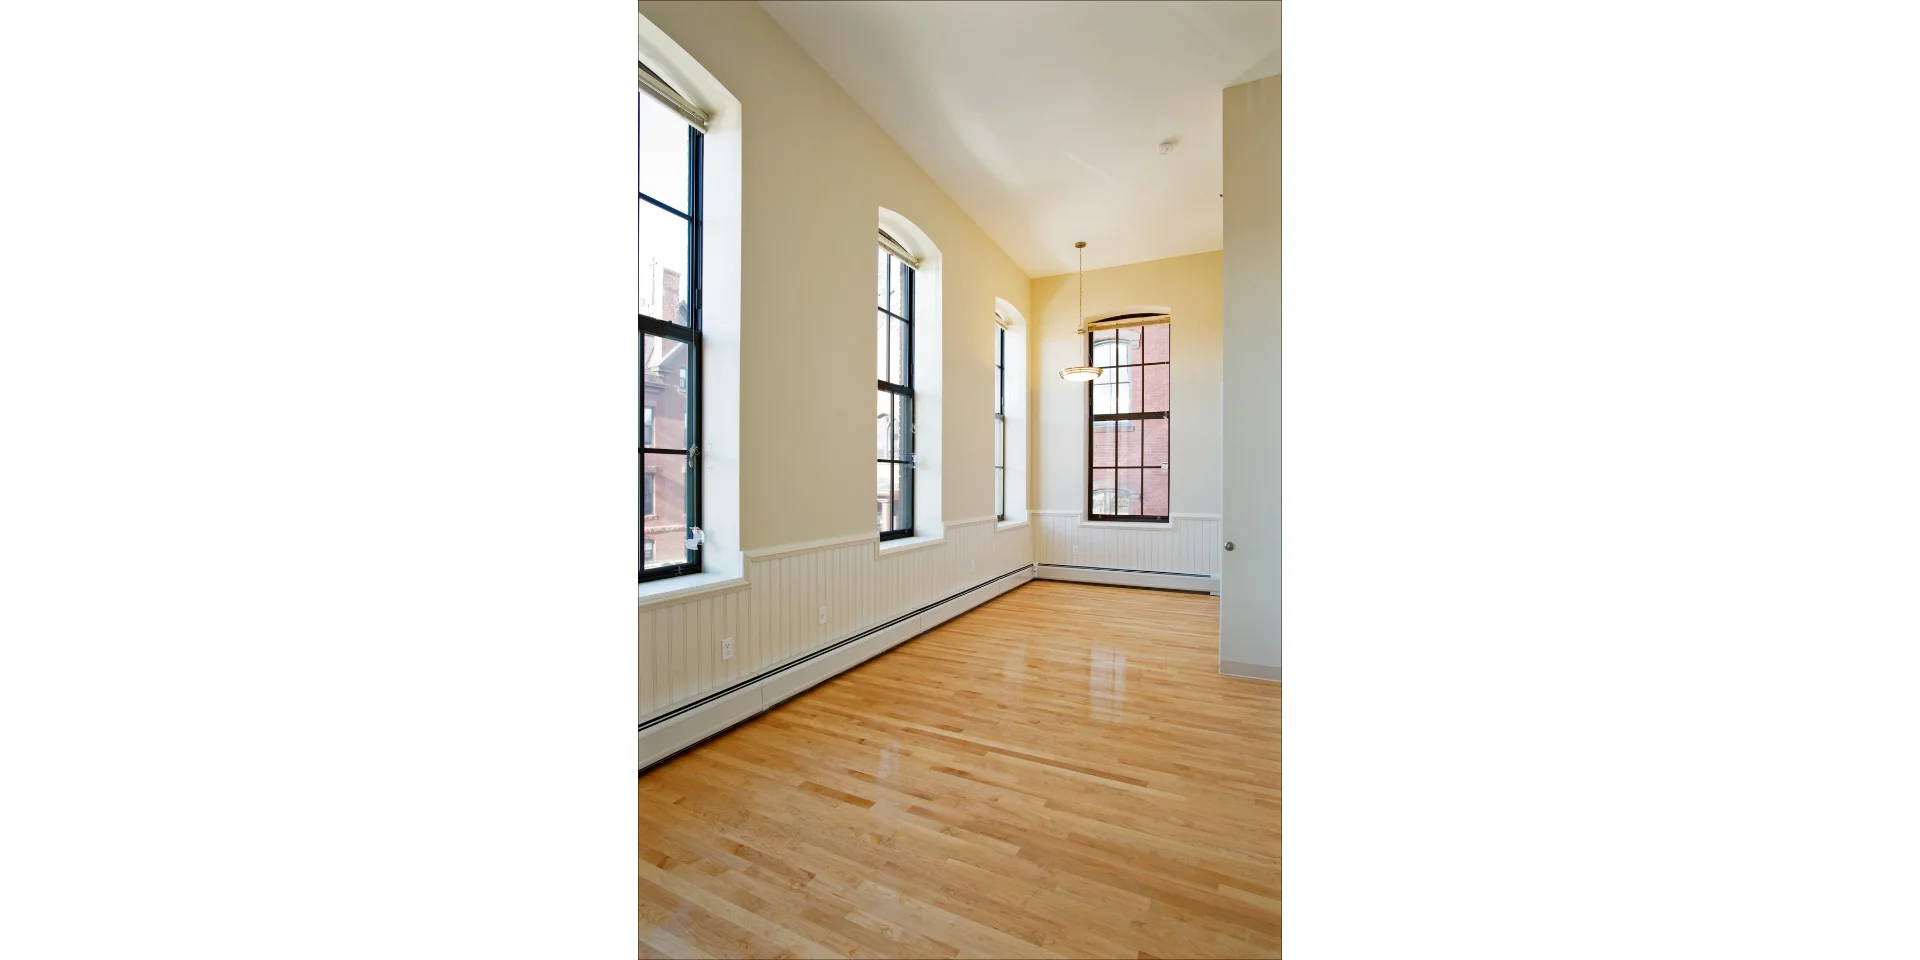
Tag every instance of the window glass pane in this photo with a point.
(1103, 491)
(1104, 450)
(999, 443)
(1127, 434)
(663, 154)
(667, 523)
(646, 427)
(1104, 395)
(1127, 496)
(880, 341)
(897, 351)
(999, 492)
(903, 491)
(1129, 340)
(1156, 339)
(1153, 500)
(1126, 389)
(883, 425)
(880, 299)
(1155, 443)
(663, 265)
(1155, 397)
(902, 411)
(898, 295)
(663, 365)
(1000, 372)
(890, 483)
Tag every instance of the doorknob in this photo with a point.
(1229, 546)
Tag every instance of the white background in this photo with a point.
(317, 512)
(1600, 481)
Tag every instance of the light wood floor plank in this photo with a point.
(1062, 772)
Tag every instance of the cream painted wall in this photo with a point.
(815, 172)
(1250, 579)
(1189, 287)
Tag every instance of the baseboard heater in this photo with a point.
(1120, 577)
(671, 732)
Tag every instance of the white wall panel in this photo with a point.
(1189, 543)
(775, 618)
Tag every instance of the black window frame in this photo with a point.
(1000, 416)
(902, 459)
(1093, 427)
(689, 336)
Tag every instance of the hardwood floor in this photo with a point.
(1059, 773)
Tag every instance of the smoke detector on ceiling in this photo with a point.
(1167, 145)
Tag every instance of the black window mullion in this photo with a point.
(664, 206)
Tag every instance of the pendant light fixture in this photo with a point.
(1081, 374)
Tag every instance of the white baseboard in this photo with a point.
(671, 733)
(1195, 582)
(1250, 671)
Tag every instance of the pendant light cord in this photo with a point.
(1081, 246)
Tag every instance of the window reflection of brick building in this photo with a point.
(1129, 475)
(663, 391)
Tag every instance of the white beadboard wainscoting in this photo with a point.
(774, 617)
(1189, 544)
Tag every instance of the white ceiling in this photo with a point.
(1043, 119)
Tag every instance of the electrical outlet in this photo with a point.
(823, 614)
(1076, 549)
(726, 649)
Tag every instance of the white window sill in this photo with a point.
(675, 589)
(905, 544)
(1009, 525)
(1141, 525)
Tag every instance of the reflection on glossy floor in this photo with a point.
(1061, 772)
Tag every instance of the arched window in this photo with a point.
(671, 138)
(1009, 413)
(894, 460)
(907, 399)
(1128, 418)
(999, 422)
(690, 140)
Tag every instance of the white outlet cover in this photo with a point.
(726, 649)
(823, 614)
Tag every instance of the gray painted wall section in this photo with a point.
(1250, 516)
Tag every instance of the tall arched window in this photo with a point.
(999, 422)
(1128, 415)
(894, 332)
(1009, 413)
(671, 140)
